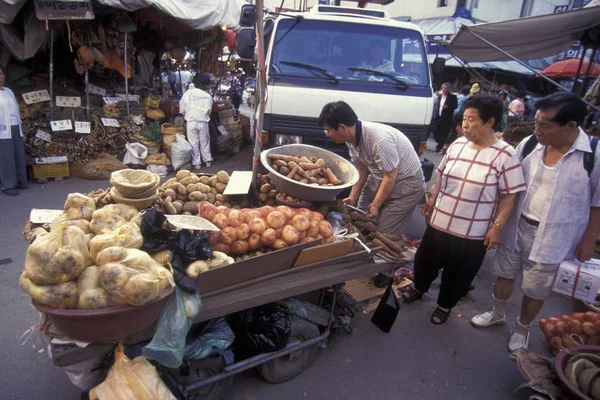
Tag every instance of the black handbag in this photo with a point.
(427, 167)
(387, 310)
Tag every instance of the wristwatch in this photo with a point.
(498, 225)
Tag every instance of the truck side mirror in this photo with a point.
(245, 42)
(248, 16)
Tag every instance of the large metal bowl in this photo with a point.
(341, 167)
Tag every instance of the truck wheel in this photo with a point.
(288, 367)
(202, 369)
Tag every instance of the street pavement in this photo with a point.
(416, 360)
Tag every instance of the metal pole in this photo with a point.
(580, 65)
(51, 74)
(87, 93)
(126, 74)
(133, 68)
(525, 65)
(587, 72)
(260, 94)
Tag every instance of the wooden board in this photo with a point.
(363, 288)
(325, 252)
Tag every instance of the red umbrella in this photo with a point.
(568, 69)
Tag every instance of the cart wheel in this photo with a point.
(202, 369)
(288, 367)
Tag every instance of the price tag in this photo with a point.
(110, 122)
(138, 120)
(93, 89)
(111, 100)
(36, 97)
(42, 216)
(82, 127)
(132, 97)
(63, 125)
(45, 136)
(65, 101)
(52, 160)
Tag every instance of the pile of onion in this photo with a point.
(560, 331)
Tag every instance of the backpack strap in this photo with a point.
(529, 146)
(589, 159)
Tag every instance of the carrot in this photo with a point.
(285, 158)
(320, 162)
(292, 173)
(280, 163)
(298, 169)
(308, 166)
(332, 178)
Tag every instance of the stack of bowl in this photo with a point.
(134, 187)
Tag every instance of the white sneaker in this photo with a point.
(517, 341)
(196, 168)
(487, 319)
(208, 164)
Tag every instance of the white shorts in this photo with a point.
(538, 278)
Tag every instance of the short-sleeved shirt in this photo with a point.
(196, 105)
(383, 148)
(516, 108)
(472, 181)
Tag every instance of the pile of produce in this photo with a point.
(309, 170)
(275, 227)
(583, 372)
(89, 259)
(560, 331)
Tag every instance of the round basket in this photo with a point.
(106, 324)
(560, 363)
(140, 204)
(133, 181)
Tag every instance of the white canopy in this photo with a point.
(525, 38)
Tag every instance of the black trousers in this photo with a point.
(460, 258)
(442, 131)
(236, 100)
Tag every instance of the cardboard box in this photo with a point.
(578, 280)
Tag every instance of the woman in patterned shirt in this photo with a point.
(472, 198)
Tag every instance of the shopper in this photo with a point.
(448, 103)
(196, 106)
(556, 218)
(474, 90)
(516, 109)
(467, 207)
(456, 131)
(390, 179)
(505, 104)
(462, 97)
(13, 169)
(236, 91)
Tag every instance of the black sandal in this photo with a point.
(441, 315)
(411, 294)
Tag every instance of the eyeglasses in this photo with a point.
(328, 131)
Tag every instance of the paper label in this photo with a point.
(82, 127)
(65, 9)
(110, 122)
(66, 101)
(239, 183)
(52, 160)
(44, 135)
(111, 100)
(93, 89)
(191, 222)
(132, 97)
(138, 120)
(63, 125)
(36, 97)
(43, 216)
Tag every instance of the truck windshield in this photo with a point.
(348, 50)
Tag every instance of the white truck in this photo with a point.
(377, 65)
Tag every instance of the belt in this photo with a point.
(530, 221)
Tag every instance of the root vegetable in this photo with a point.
(264, 211)
(315, 216)
(561, 327)
(191, 207)
(214, 191)
(573, 326)
(223, 210)
(253, 214)
(272, 193)
(320, 162)
(212, 181)
(243, 232)
(290, 235)
(171, 193)
(202, 188)
(213, 237)
(268, 237)
(197, 196)
(286, 211)
(332, 178)
(313, 229)
(279, 244)
(220, 220)
(254, 241)
(398, 249)
(222, 247)
(307, 239)
(205, 180)
(322, 181)
(263, 198)
(284, 171)
(276, 219)
(308, 166)
(188, 180)
(222, 176)
(210, 198)
(325, 229)
(179, 188)
(182, 197)
(591, 316)
(567, 341)
(588, 328)
(240, 247)
(303, 180)
(304, 212)
(549, 329)
(285, 158)
(300, 222)
(266, 188)
(168, 206)
(292, 173)
(220, 186)
(579, 316)
(190, 188)
(228, 235)
(280, 163)
(234, 218)
(257, 225)
(183, 174)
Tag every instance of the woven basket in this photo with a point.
(172, 129)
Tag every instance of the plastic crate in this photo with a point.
(41, 171)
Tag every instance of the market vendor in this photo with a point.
(390, 179)
(12, 154)
(196, 106)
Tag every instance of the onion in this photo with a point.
(288, 212)
(574, 326)
(588, 328)
(319, 236)
(276, 219)
(561, 328)
(302, 235)
(279, 244)
(223, 248)
(565, 318)
(591, 316)
(213, 237)
(549, 329)
(244, 216)
(553, 320)
(556, 343)
(300, 222)
(579, 316)
(228, 235)
(240, 247)
(243, 232)
(597, 326)
(223, 210)
(257, 225)
(307, 239)
(316, 216)
(268, 236)
(325, 229)
(278, 232)
(207, 210)
(305, 212)
(220, 220)
(253, 214)
(290, 234)
(328, 239)
(254, 241)
(234, 218)
(265, 210)
(313, 229)
(567, 341)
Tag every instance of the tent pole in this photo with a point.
(525, 65)
(87, 93)
(587, 72)
(51, 82)
(580, 65)
(260, 97)
(126, 73)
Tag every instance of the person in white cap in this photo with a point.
(196, 106)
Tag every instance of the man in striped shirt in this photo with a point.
(390, 177)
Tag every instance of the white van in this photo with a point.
(361, 56)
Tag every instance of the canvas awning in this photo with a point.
(525, 38)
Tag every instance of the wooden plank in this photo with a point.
(325, 252)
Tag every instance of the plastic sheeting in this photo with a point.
(198, 14)
(26, 47)
(9, 10)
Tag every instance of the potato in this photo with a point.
(210, 198)
(213, 181)
(171, 193)
(220, 187)
(191, 207)
(169, 207)
(240, 247)
(168, 183)
(197, 196)
(201, 187)
(263, 197)
(62, 295)
(214, 191)
(183, 174)
(300, 222)
(222, 176)
(179, 188)
(205, 180)
(190, 188)
(284, 171)
(218, 203)
(178, 206)
(220, 197)
(266, 188)
(271, 202)
(272, 193)
(222, 247)
(188, 180)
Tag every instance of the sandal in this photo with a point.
(441, 315)
(411, 294)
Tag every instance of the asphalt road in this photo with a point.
(416, 360)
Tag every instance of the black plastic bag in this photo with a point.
(217, 335)
(387, 310)
(260, 330)
(186, 247)
(310, 312)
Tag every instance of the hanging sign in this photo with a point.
(82, 127)
(36, 97)
(111, 100)
(65, 101)
(69, 9)
(93, 89)
(138, 120)
(110, 122)
(63, 125)
(132, 97)
(45, 136)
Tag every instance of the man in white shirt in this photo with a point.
(196, 106)
(556, 218)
